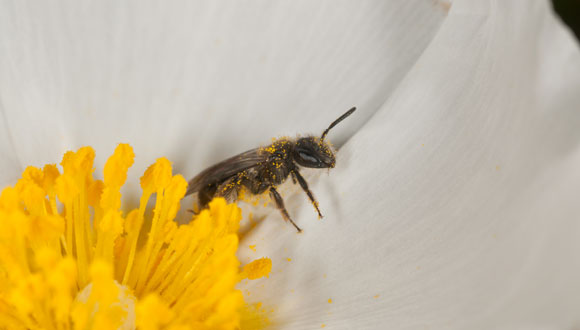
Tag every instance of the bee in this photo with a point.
(262, 169)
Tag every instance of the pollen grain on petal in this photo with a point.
(257, 269)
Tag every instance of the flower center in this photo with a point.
(61, 233)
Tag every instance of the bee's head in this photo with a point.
(313, 152)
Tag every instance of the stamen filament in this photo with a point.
(61, 263)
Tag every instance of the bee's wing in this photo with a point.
(225, 169)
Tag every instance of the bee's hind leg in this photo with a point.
(280, 205)
(229, 190)
(205, 195)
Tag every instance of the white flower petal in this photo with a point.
(456, 206)
(9, 163)
(476, 228)
(198, 81)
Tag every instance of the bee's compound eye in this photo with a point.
(308, 157)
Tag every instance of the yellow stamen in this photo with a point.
(84, 264)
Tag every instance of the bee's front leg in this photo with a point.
(304, 186)
(280, 205)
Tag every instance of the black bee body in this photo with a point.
(274, 170)
(255, 170)
(263, 169)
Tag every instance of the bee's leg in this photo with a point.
(280, 205)
(228, 190)
(293, 175)
(304, 186)
(205, 195)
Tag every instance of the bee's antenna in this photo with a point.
(334, 123)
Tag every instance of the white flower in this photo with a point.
(455, 200)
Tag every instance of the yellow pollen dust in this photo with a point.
(257, 268)
(71, 257)
(254, 316)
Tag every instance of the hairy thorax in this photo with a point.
(273, 170)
